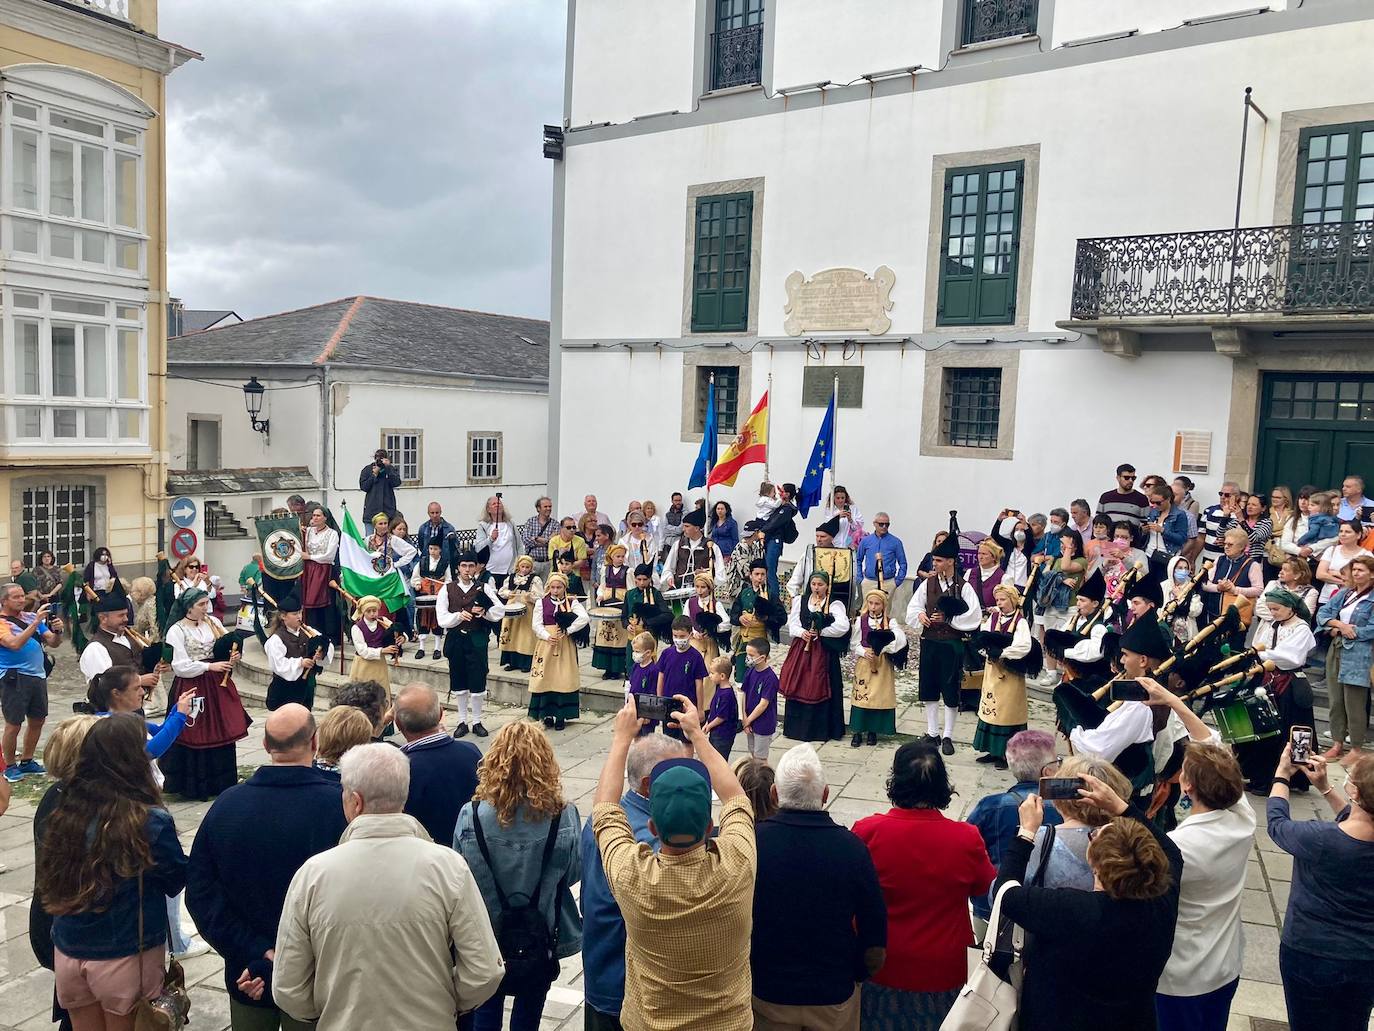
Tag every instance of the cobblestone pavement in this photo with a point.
(856, 776)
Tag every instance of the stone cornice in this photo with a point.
(98, 35)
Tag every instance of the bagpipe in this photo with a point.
(709, 623)
(992, 643)
(881, 638)
(651, 614)
(388, 639)
(321, 643)
(1176, 601)
(772, 614)
(151, 654)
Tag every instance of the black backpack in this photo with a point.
(528, 944)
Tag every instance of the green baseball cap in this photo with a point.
(680, 801)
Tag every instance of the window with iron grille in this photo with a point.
(484, 457)
(727, 398)
(404, 448)
(981, 245)
(985, 20)
(58, 519)
(737, 44)
(972, 405)
(720, 265)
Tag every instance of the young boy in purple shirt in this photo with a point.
(681, 670)
(643, 678)
(760, 689)
(722, 716)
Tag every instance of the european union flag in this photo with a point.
(706, 458)
(822, 460)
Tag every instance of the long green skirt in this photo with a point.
(554, 704)
(872, 721)
(993, 740)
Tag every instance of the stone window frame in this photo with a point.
(1029, 154)
(1008, 360)
(500, 439)
(705, 25)
(752, 185)
(952, 33)
(1291, 125)
(712, 356)
(97, 522)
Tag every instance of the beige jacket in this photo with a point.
(367, 928)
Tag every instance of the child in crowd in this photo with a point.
(682, 670)
(760, 699)
(722, 715)
(764, 505)
(1322, 524)
(643, 678)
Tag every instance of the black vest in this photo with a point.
(122, 655)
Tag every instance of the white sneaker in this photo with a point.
(1051, 678)
(198, 947)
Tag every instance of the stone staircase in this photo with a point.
(220, 524)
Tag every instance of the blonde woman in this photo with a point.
(517, 631)
(342, 728)
(876, 641)
(1005, 639)
(516, 814)
(554, 676)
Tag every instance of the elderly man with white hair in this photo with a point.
(358, 945)
(820, 923)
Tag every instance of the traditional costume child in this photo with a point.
(1012, 654)
(554, 676)
(610, 641)
(563, 562)
(465, 644)
(879, 646)
(811, 680)
(517, 629)
(754, 615)
(372, 632)
(706, 618)
(431, 574)
(287, 649)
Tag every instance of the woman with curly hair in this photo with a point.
(520, 838)
(109, 858)
(1127, 919)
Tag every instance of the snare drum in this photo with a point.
(1246, 719)
(677, 598)
(607, 630)
(514, 609)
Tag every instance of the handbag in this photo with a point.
(989, 1000)
(171, 1009)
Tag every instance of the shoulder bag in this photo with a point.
(171, 1009)
(989, 1000)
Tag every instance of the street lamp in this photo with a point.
(252, 399)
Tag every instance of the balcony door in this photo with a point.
(1315, 429)
(1334, 206)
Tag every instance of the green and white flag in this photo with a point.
(364, 574)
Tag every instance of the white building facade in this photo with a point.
(999, 171)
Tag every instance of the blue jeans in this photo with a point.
(772, 551)
(1325, 993)
(524, 1013)
(1207, 1012)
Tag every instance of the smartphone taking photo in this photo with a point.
(652, 707)
(1060, 788)
(1129, 691)
(1300, 744)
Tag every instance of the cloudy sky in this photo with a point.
(326, 148)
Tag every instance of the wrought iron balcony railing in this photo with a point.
(737, 57)
(1284, 270)
(997, 19)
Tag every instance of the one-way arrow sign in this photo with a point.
(183, 512)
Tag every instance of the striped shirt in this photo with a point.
(1213, 525)
(1132, 507)
(688, 923)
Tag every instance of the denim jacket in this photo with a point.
(517, 851)
(1355, 654)
(998, 821)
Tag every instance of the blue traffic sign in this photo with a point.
(183, 512)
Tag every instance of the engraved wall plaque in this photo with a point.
(838, 300)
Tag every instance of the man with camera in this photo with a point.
(378, 481)
(24, 677)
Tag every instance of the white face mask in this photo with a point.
(1020, 536)
(638, 657)
(761, 661)
(681, 643)
(1056, 527)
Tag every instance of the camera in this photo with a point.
(1060, 788)
(1300, 742)
(652, 707)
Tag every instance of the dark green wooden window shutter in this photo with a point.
(980, 245)
(720, 268)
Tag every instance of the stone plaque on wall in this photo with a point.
(838, 300)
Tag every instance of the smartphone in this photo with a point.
(1129, 691)
(652, 707)
(1052, 788)
(1300, 741)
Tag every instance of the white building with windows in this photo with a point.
(1036, 205)
(82, 278)
(459, 398)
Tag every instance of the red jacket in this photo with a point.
(929, 867)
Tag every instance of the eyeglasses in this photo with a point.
(881, 524)
(1049, 767)
(1128, 476)
(636, 526)
(1226, 494)
(193, 565)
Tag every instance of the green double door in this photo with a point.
(1315, 429)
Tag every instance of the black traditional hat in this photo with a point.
(947, 548)
(483, 555)
(1147, 587)
(644, 569)
(1095, 587)
(289, 600)
(758, 563)
(559, 556)
(1147, 637)
(115, 601)
(830, 526)
(468, 555)
(696, 517)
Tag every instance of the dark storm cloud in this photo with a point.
(389, 147)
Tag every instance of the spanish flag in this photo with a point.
(749, 448)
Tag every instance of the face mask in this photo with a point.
(681, 643)
(1180, 575)
(1020, 536)
(638, 657)
(761, 661)
(1056, 527)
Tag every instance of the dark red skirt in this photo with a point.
(315, 590)
(222, 721)
(805, 673)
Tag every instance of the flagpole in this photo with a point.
(834, 437)
(767, 426)
(711, 397)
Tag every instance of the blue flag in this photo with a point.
(706, 459)
(822, 460)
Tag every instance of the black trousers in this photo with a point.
(940, 671)
(594, 1020)
(467, 660)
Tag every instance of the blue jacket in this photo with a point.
(112, 932)
(894, 557)
(427, 531)
(603, 928)
(443, 776)
(997, 821)
(517, 851)
(250, 844)
(1356, 654)
(1175, 532)
(726, 535)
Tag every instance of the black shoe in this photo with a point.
(461, 730)
(856, 741)
(872, 737)
(934, 739)
(560, 724)
(420, 654)
(947, 746)
(989, 758)
(548, 721)
(436, 654)
(608, 675)
(507, 667)
(479, 730)
(1001, 763)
